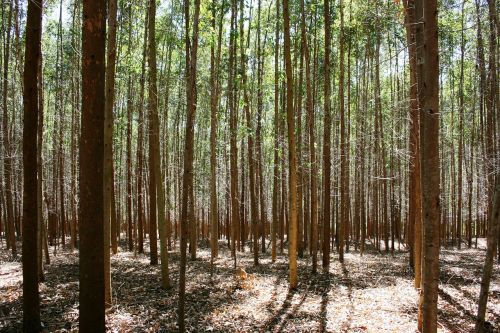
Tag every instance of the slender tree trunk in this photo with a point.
(156, 190)
(75, 101)
(214, 101)
(108, 146)
(292, 158)
(250, 146)
(39, 185)
(327, 141)
(233, 128)
(130, 227)
(140, 146)
(187, 178)
(461, 134)
(344, 213)
(414, 188)
(276, 180)
(7, 158)
(258, 133)
(60, 108)
(312, 147)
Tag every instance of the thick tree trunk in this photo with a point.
(493, 232)
(31, 298)
(92, 300)
(429, 116)
(492, 243)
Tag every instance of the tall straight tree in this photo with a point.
(31, 298)
(327, 164)
(431, 209)
(140, 153)
(191, 45)
(292, 157)
(233, 128)
(493, 229)
(108, 145)
(92, 316)
(156, 189)
(214, 101)
(275, 204)
(344, 188)
(250, 143)
(7, 158)
(414, 184)
(312, 148)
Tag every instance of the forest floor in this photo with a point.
(372, 293)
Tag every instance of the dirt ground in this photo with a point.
(372, 293)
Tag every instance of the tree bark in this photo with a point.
(233, 128)
(140, 146)
(31, 298)
(276, 181)
(292, 158)
(214, 102)
(429, 116)
(327, 141)
(108, 146)
(7, 158)
(156, 189)
(187, 178)
(92, 301)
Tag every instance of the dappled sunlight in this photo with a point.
(369, 293)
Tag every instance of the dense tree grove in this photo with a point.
(281, 128)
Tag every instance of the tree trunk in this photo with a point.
(292, 158)
(214, 102)
(92, 300)
(31, 298)
(108, 146)
(233, 128)
(429, 115)
(187, 178)
(312, 147)
(492, 243)
(156, 186)
(7, 158)
(414, 188)
(344, 212)
(276, 181)
(140, 146)
(327, 141)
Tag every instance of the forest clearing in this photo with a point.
(373, 293)
(249, 166)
